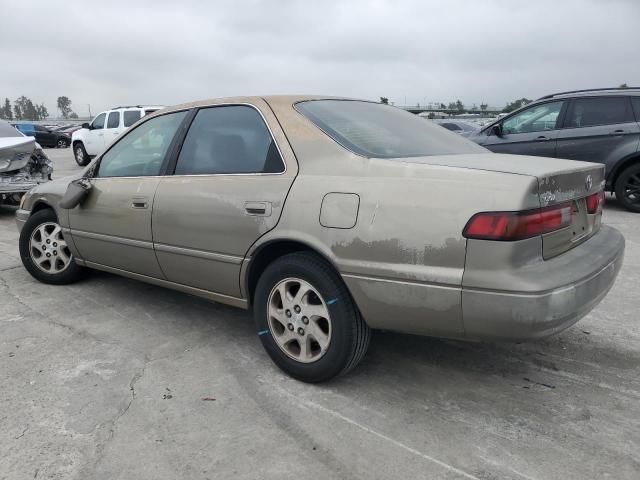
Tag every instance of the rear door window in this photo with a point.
(114, 120)
(228, 140)
(635, 101)
(590, 112)
(131, 117)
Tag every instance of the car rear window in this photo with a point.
(381, 131)
(131, 117)
(7, 130)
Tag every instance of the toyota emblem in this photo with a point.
(588, 182)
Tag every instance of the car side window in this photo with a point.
(635, 101)
(534, 119)
(38, 128)
(141, 151)
(131, 117)
(226, 140)
(98, 122)
(589, 112)
(113, 121)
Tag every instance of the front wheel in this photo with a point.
(80, 154)
(306, 319)
(44, 251)
(628, 188)
(62, 143)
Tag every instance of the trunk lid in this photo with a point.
(15, 152)
(559, 182)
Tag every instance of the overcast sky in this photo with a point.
(106, 53)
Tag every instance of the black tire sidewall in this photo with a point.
(342, 313)
(84, 152)
(72, 273)
(620, 184)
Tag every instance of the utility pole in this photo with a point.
(89, 105)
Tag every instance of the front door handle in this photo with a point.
(262, 209)
(617, 132)
(542, 138)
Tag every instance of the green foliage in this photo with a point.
(5, 110)
(64, 105)
(516, 104)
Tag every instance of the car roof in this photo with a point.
(593, 92)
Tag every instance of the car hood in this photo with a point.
(15, 152)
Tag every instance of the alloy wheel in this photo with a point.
(48, 249)
(631, 190)
(299, 320)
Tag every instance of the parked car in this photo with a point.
(457, 126)
(44, 136)
(329, 217)
(23, 164)
(600, 125)
(92, 138)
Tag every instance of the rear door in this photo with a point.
(229, 188)
(597, 128)
(94, 138)
(112, 227)
(533, 131)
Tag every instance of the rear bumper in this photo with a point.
(503, 313)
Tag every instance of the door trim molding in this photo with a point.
(189, 252)
(112, 239)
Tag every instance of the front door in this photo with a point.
(229, 188)
(112, 227)
(94, 139)
(532, 131)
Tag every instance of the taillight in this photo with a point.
(509, 226)
(595, 202)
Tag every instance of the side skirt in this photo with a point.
(215, 297)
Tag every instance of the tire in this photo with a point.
(62, 143)
(39, 237)
(342, 330)
(627, 188)
(80, 154)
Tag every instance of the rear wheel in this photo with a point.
(307, 320)
(44, 251)
(628, 188)
(62, 143)
(80, 154)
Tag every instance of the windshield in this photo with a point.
(382, 131)
(7, 130)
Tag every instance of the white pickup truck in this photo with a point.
(94, 137)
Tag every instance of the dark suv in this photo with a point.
(599, 125)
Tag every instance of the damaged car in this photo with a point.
(23, 164)
(328, 218)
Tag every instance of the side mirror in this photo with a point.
(76, 192)
(496, 130)
(87, 126)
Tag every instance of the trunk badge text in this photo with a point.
(588, 182)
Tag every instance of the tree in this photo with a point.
(73, 115)
(452, 106)
(443, 106)
(41, 112)
(384, 100)
(5, 110)
(64, 105)
(459, 106)
(516, 104)
(623, 85)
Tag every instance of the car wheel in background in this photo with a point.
(44, 251)
(62, 143)
(80, 154)
(306, 319)
(628, 188)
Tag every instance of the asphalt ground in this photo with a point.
(114, 379)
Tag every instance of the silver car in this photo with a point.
(328, 218)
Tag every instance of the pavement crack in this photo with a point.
(22, 434)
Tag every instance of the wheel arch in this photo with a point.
(620, 167)
(42, 205)
(269, 252)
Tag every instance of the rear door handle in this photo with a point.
(139, 202)
(542, 138)
(262, 209)
(617, 132)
